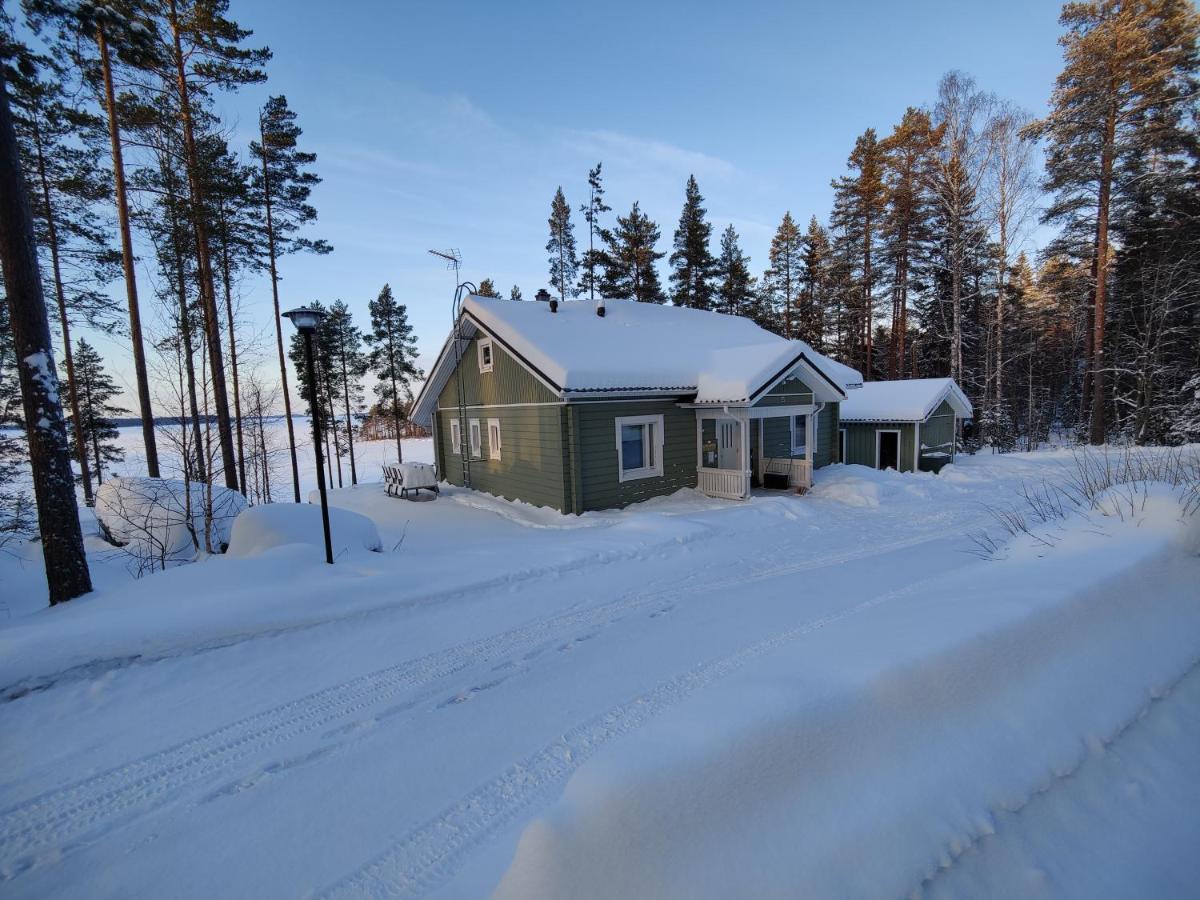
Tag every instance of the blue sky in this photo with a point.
(451, 124)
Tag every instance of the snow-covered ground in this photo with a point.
(828, 695)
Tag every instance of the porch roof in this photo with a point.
(904, 400)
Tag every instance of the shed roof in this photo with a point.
(906, 400)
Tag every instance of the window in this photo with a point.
(639, 447)
(476, 438)
(493, 438)
(455, 437)
(485, 354)
(800, 435)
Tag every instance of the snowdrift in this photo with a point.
(150, 517)
(870, 765)
(262, 528)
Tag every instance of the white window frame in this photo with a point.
(493, 431)
(475, 433)
(485, 344)
(455, 437)
(796, 448)
(843, 445)
(652, 447)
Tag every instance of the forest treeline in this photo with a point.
(922, 267)
(130, 167)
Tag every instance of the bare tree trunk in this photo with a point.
(212, 324)
(349, 419)
(67, 574)
(135, 319)
(233, 361)
(63, 321)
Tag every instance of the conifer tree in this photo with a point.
(392, 357)
(905, 228)
(97, 413)
(281, 188)
(123, 33)
(515, 293)
(735, 286)
(593, 257)
(487, 288)
(692, 260)
(815, 285)
(781, 280)
(630, 261)
(349, 365)
(564, 263)
(859, 205)
(67, 572)
(61, 152)
(1129, 79)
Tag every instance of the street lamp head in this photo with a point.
(305, 319)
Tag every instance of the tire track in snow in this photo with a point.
(423, 858)
(55, 819)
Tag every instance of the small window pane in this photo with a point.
(708, 443)
(632, 447)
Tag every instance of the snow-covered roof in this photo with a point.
(907, 400)
(641, 347)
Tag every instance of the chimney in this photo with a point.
(544, 296)
(600, 307)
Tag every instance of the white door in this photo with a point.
(729, 444)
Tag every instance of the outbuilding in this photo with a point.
(907, 425)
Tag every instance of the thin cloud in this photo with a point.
(635, 151)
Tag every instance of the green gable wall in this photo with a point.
(508, 382)
(860, 442)
(936, 431)
(595, 435)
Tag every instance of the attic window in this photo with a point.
(485, 355)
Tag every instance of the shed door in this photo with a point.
(889, 449)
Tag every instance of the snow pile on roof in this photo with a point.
(264, 528)
(149, 517)
(907, 400)
(644, 346)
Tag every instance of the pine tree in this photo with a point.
(781, 280)
(564, 264)
(66, 565)
(281, 188)
(859, 203)
(735, 288)
(515, 293)
(126, 30)
(487, 288)
(1129, 80)
(349, 365)
(816, 297)
(392, 358)
(692, 260)
(905, 228)
(61, 153)
(97, 413)
(593, 257)
(630, 265)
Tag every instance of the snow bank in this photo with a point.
(870, 764)
(263, 528)
(150, 517)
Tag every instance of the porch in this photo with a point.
(740, 448)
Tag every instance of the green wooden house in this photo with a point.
(906, 425)
(582, 406)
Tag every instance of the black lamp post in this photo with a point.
(306, 322)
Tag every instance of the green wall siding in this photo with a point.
(533, 461)
(936, 431)
(827, 436)
(789, 392)
(596, 433)
(508, 382)
(860, 442)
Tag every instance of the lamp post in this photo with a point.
(306, 322)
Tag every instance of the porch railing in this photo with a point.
(732, 484)
(799, 471)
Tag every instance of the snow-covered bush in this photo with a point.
(271, 525)
(159, 521)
